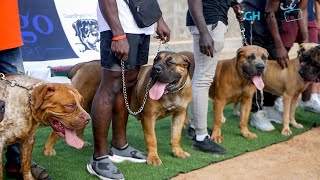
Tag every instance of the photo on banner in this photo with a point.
(59, 30)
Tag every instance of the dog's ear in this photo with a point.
(301, 49)
(159, 56)
(40, 93)
(187, 60)
(239, 53)
(76, 26)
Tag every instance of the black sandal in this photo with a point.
(38, 172)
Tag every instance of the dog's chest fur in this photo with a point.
(17, 123)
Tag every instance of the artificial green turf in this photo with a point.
(70, 163)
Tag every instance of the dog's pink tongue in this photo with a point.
(257, 80)
(157, 90)
(72, 139)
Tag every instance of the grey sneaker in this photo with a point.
(273, 114)
(104, 169)
(260, 121)
(126, 154)
(278, 104)
(311, 105)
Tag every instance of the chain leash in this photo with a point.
(13, 83)
(124, 89)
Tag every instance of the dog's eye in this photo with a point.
(170, 63)
(70, 107)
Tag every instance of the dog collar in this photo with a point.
(177, 89)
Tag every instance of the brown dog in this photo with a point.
(171, 67)
(30, 102)
(170, 94)
(293, 80)
(85, 78)
(236, 81)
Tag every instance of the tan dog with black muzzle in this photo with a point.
(293, 80)
(170, 94)
(236, 80)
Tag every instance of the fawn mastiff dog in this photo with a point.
(293, 80)
(170, 94)
(236, 80)
(30, 102)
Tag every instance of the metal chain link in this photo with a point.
(124, 90)
(13, 83)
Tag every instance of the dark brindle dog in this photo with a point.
(293, 80)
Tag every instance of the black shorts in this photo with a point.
(138, 51)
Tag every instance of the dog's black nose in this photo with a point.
(157, 68)
(260, 67)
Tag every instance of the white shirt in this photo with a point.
(127, 21)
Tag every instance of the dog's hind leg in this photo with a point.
(49, 147)
(176, 130)
(293, 107)
(287, 101)
(244, 118)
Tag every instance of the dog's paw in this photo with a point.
(249, 135)
(154, 160)
(297, 125)
(286, 131)
(218, 139)
(49, 152)
(180, 154)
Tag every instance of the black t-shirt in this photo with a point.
(213, 11)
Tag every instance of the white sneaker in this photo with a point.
(273, 114)
(311, 105)
(260, 121)
(278, 104)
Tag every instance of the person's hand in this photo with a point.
(238, 10)
(282, 57)
(163, 31)
(206, 44)
(120, 49)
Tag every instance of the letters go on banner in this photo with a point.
(60, 29)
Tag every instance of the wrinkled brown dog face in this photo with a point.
(252, 60)
(59, 105)
(309, 57)
(169, 71)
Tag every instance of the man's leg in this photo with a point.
(203, 76)
(120, 149)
